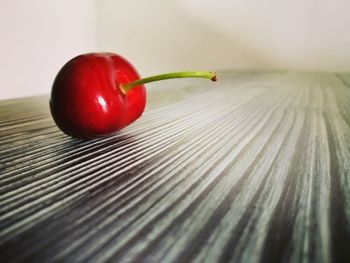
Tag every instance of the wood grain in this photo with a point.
(253, 168)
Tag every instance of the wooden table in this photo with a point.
(253, 168)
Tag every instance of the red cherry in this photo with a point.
(86, 99)
(97, 94)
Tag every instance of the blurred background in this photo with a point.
(39, 36)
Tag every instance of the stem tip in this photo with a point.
(213, 78)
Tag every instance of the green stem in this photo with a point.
(174, 75)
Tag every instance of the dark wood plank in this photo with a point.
(253, 168)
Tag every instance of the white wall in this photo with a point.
(158, 36)
(163, 35)
(37, 37)
(282, 34)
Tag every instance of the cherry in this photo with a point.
(97, 94)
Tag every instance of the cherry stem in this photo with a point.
(174, 75)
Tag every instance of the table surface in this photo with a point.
(253, 168)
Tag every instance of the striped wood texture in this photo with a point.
(253, 168)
